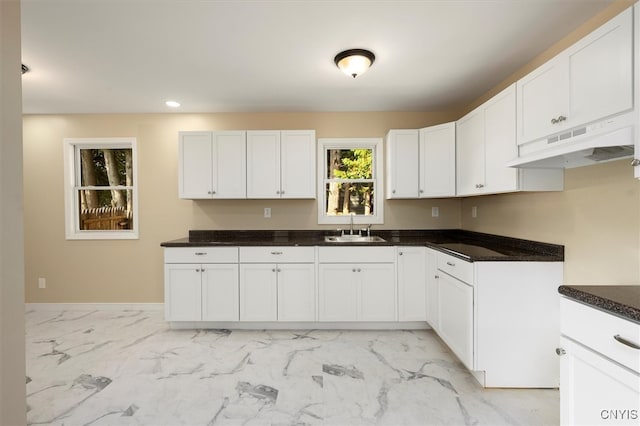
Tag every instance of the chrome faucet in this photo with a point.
(351, 223)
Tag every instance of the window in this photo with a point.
(350, 181)
(101, 195)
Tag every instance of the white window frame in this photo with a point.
(72, 181)
(375, 144)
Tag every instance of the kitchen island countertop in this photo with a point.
(620, 300)
(467, 245)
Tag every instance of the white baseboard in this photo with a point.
(94, 306)
(315, 325)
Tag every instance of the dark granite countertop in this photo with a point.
(467, 245)
(620, 300)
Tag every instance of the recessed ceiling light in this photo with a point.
(172, 104)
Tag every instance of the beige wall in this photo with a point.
(12, 341)
(131, 271)
(596, 218)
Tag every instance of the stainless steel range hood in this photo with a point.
(599, 142)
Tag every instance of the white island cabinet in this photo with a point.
(599, 367)
(201, 284)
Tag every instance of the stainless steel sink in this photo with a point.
(347, 238)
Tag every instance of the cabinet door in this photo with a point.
(258, 292)
(455, 308)
(402, 163)
(263, 164)
(195, 165)
(296, 292)
(595, 390)
(230, 171)
(377, 288)
(500, 142)
(298, 164)
(438, 161)
(432, 289)
(220, 300)
(543, 96)
(601, 71)
(412, 284)
(337, 292)
(182, 292)
(470, 153)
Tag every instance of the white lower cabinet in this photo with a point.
(432, 289)
(258, 292)
(500, 319)
(412, 283)
(599, 375)
(455, 320)
(357, 292)
(199, 291)
(283, 291)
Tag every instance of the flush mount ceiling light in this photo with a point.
(354, 62)
(172, 104)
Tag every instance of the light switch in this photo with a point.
(474, 211)
(435, 211)
(267, 212)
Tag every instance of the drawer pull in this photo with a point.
(201, 253)
(626, 342)
(451, 264)
(276, 252)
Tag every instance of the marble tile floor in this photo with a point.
(130, 368)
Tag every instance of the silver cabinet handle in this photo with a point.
(353, 270)
(626, 342)
(281, 192)
(273, 270)
(560, 119)
(201, 253)
(554, 121)
(560, 351)
(393, 191)
(359, 270)
(436, 277)
(421, 191)
(276, 252)
(278, 270)
(399, 253)
(635, 162)
(451, 264)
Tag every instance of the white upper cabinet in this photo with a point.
(438, 161)
(212, 165)
(591, 80)
(281, 164)
(402, 163)
(486, 142)
(421, 163)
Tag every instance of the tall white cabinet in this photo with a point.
(421, 162)
(281, 164)
(212, 165)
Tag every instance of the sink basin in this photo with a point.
(353, 239)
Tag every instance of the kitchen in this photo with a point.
(596, 217)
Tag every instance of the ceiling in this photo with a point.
(129, 56)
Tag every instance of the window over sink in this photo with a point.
(349, 181)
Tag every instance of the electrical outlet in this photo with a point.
(42, 283)
(474, 211)
(267, 212)
(435, 211)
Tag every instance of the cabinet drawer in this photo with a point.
(201, 255)
(596, 329)
(456, 267)
(385, 254)
(277, 254)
